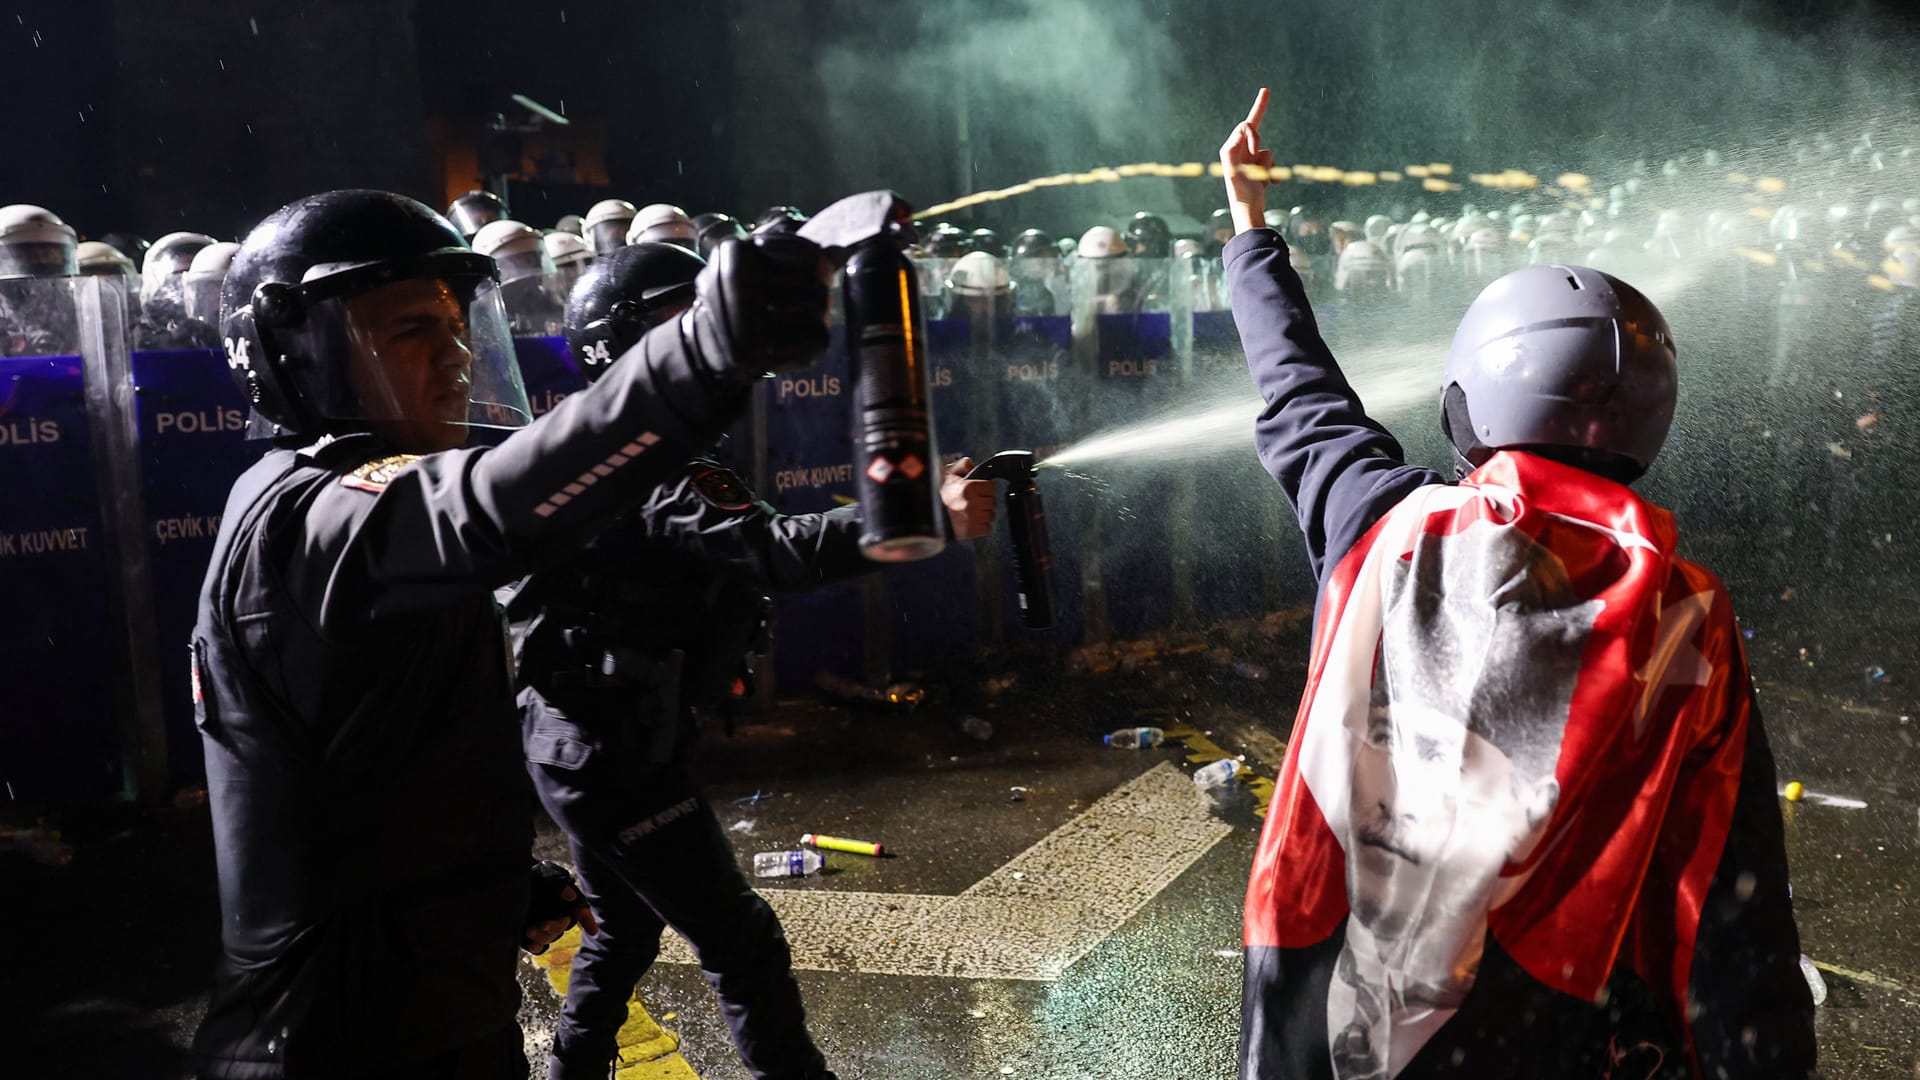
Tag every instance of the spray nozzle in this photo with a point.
(857, 219)
(1027, 522)
(1013, 466)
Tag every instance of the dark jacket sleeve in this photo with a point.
(1339, 468)
(449, 523)
(751, 540)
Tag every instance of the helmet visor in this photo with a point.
(609, 235)
(425, 359)
(200, 295)
(36, 260)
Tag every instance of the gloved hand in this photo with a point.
(555, 905)
(760, 306)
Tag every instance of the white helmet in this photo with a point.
(94, 257)
(979, 273)
(1902, 267)
(663, 223)
(201, 283)
(607, 225)
(1101, 242)
(571, 223)
(1418, 236)
(1417, 271)
(168, 258)
(515, 246)
(34, 242)
(1363, 268)
(566, 248)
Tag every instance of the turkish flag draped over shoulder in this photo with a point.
(1524, 715)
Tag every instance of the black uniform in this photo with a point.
(619, 650)
(371, 811)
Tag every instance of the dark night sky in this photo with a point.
(206, 113)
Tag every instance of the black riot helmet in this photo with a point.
(622, 296)
(475, 211)
(126, 243)
(363, 310)
(1034, 244)
(712, 228)
(1148, 237)
(945, 242)
(779, 219)
(984, 239)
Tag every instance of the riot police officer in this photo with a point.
(569, 255)
(37, 316)
(1039, 279)
(95, 257)
(200, 294)
(712, 228)
(475, 211)
(163, 311)
(620, 650)
(607, 225)
(979, 287)
(526, 277)
(779, 219)
(371, 810)
(663, 223)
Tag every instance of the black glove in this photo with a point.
(547, 900)
(760, 305)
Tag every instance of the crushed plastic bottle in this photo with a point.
(1135, 738)
(1876, 674)
(1219, 774)
(787, 863)
(976, 728)
(1814, 982)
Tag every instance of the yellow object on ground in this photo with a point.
(1795, 792)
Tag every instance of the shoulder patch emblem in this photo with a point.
(375, 475)
(722, 488)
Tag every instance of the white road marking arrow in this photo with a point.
(1033, 917)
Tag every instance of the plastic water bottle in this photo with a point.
(1219, 774)
(1814, 982)
(787, 863)
(1136, 738)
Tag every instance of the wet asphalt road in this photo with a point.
(1159, 996)
(110, 976)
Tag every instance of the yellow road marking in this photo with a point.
(647, 1051)
(1866, 977)
(1204, 751)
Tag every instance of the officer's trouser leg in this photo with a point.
(687, 873)
(742, 950)
(604, 973)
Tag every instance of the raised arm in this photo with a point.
(1339, 468)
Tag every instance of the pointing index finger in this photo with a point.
(1259, 110)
